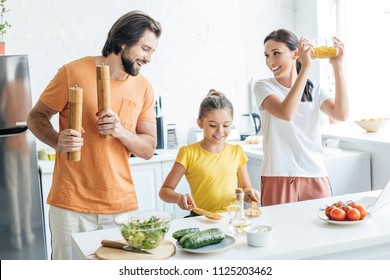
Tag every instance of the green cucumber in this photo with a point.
(186, 236)
(202, 238)
(180, 233)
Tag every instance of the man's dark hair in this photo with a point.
(128, 29)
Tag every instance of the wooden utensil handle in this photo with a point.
(112, 244)
(211, 215)
(103, 90)
(253, 204)
(75, 116)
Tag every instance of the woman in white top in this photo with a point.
(290, 104)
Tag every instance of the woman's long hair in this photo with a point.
(291, 41)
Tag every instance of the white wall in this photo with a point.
(205, 44)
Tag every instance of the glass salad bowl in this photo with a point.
(144, 229)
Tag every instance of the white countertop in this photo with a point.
(161, 155)
(351, 131)
(253, 150)
(299, 234)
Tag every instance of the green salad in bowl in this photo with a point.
(144, 229)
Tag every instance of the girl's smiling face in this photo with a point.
(279, 58)
(216, 125)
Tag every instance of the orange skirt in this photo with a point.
(278, 190)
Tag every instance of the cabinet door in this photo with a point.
(182, 187)
(349, 172)
(147, 182)
(254, 168)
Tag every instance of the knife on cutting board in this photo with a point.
(119, 245)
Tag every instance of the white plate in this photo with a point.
(223, 245)
(323, 217)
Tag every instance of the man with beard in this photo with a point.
(88, 194)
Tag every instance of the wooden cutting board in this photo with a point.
(162, 252)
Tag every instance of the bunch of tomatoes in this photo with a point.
(350, 211)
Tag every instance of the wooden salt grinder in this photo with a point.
(103, 90)
(75, 116)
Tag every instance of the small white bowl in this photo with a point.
(259, 235)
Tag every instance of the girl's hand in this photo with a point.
(338, 60)
(304, 49)
(251, 194)
(186, 202)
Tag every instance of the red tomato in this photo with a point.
(345, 208)
(337, 214)
(362, 210)
(327, 210)
(352, 204)
(338, 204)
(353, 214)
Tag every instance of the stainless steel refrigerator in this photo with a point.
(21, 209)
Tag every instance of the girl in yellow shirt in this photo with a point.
(213, 168)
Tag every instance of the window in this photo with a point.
(362, 26)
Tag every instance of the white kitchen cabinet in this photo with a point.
(182, 187)
(147, 178)
(349, 171)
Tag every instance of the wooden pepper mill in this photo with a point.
(103, 90)
(75, 116)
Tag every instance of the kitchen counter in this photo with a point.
(351, 131)
(254, 150)
(299, 234)
(160, 155)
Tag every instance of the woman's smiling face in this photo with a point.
(279, 58)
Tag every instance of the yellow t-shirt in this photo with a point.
(101, 181)
(212, 176)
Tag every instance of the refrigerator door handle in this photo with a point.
(9, 131)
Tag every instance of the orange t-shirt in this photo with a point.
(101, 181)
